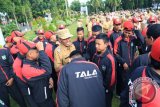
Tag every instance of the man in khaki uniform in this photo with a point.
(80, 23)
(62, 52)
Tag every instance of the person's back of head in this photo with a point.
(75, 54)
(153, 31)
(97, 28)
(155, 54)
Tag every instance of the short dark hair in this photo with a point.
(75, 53)
(96, 28)
(103, 36)
(155, 64)
(153, 31)
(80, 29)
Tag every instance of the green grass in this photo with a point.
(30, 35)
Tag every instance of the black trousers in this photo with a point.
(26, 92)
(122, 79)
(14, 92)
(109, 97)
(47, 103)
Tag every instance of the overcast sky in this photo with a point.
(82, 1)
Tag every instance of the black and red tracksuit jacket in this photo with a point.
(40, 40)
(14, 51)
(6, 61)
(81, 46)
(107, 66)
(145, 83)
(91, 48)
(114, 36)
(49, 50)
(124, 50)
(37, 74)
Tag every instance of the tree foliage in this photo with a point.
(75, 5)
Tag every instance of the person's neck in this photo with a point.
(80, 39)
(103, 52)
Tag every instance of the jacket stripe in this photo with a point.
(113, 77)
(4, 72)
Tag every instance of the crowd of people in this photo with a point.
(120, 56)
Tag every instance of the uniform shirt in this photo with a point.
(80, 85)
(61, 54)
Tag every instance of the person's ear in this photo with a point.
(106, 44)
(152, 39)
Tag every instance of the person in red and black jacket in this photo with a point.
(124, 50)
(40, 37)
(14, 49)
(80, 44)
(37, 70)
(23, 47)
(7, 83)
(49, 50)
(106, 63)
(143, 89)
(116, 30)
(91, 49)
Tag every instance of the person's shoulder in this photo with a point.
(4, 50)
(137, 72)
(58, 49)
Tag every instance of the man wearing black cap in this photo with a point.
(80, 84)
(91, 50)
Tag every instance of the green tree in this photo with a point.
(113, 4)
(96, 4)
(75, 5)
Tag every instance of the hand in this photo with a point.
(40, 46)
(136, 55)
(51, 83)
(17, 39)
(125, 66)
(57, 43)
(9, 82)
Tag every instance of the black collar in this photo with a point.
(78, 59)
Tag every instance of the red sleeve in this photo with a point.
(49, 51)
(32, 71)
(17, 68)
(116, 44)
(113, 75)
(14, 50)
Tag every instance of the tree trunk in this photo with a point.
(16, 20)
